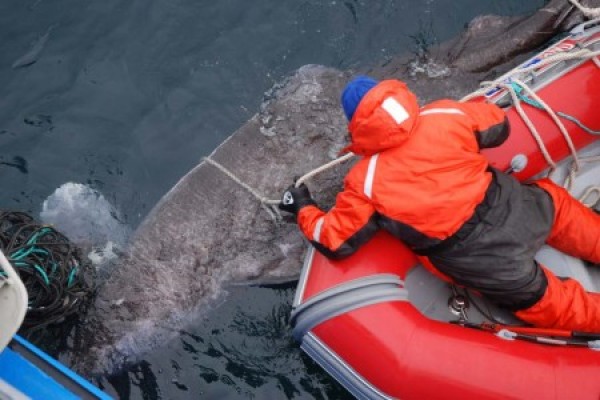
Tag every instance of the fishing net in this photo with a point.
(58, 280)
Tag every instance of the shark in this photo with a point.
(210, 230)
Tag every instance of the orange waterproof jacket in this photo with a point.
(421, 175)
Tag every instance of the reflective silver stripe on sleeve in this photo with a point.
(395, 109)
(317, 231)
(442, 111)
(368, 189)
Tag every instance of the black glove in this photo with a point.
(294, 198)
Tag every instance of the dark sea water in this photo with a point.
(127, 96)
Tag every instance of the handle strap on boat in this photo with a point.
(344, 298)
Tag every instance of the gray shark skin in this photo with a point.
(208, 231)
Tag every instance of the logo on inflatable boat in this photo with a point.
(559, 48)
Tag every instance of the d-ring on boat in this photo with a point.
(385, 327)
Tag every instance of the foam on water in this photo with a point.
(428, 68)
(88, 219)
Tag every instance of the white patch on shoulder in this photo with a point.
(395, 109)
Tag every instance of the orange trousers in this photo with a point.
(576, 231)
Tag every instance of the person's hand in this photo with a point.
(295, 198)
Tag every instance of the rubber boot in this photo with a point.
(564, 305)
(576, 229)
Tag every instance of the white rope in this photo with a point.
(503, 82)
(324, 167)
(531, 126)
(592, 189)
(270, 205)
(583, 54)
(575, 165)
(587, 11)
(589, 191)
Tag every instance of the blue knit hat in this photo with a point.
(354, 92)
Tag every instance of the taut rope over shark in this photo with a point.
(269, 204)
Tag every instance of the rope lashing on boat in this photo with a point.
(58, 281)
(589, 12)
(579, 160)
(514, 87)
(581, 54)
(270, 205)
(534, 103)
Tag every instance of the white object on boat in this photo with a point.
(13, 301)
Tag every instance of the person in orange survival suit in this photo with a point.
(423, 179)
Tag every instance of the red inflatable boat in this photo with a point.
(385, 327)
